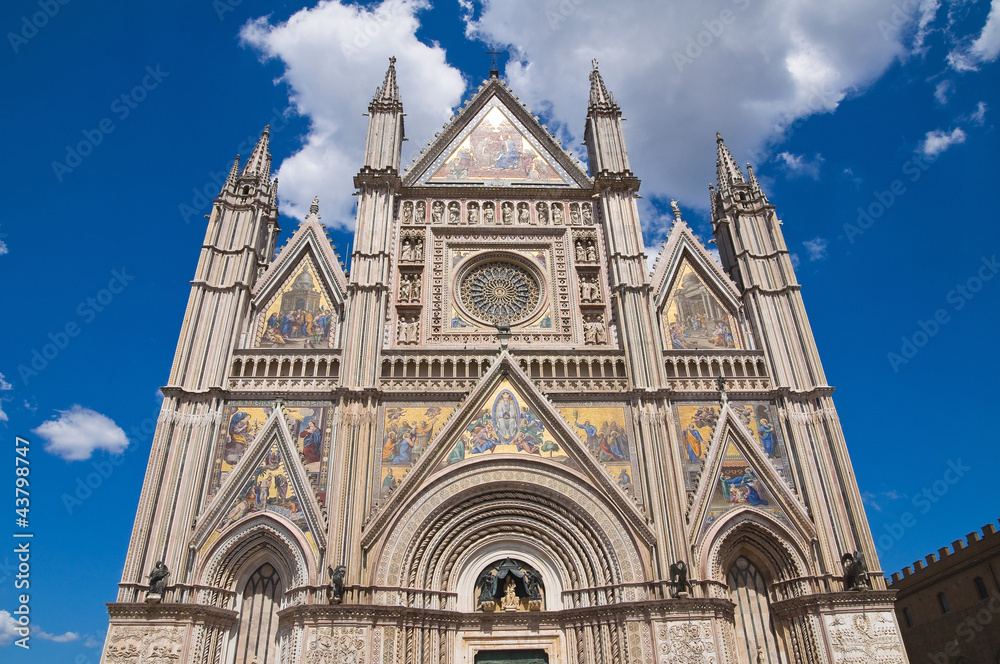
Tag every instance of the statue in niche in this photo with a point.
(335, 592)
(557, 213)
(454, 212)
(587, 218)
(407, 213)
(421, 212)
(574, 214)
(418, 249)
(510, 598)
(581, 252)
(414, 287)
(542, 212)
(589, 290)
(405, 288)
(855, 571)
(473, 214)
(533, 584)
(507, 213)
(158, 578)
(407, 331)
(591, 252)
(594, 332)
(437, 212)
(406, 251)
(487, 584)
(679, 577)
(523, 216)
(488, 214)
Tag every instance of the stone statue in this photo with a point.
(510, 598)
(158, 578)
(437, 212)
(543, 213)
(522, 215)
(408, 213)
(487, 583)
(557, 214)
(473, 215)
(574, 215)
(507, 210)
(414, 288)
(533, 584)
(587, 219)
(421, 212)
(488, 215)
(855, 571)
(453, 213)
(406, 252)
(418, 250)
(679, 577)
(591, 252)
(581, 252)
(336, 591)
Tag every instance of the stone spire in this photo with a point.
(599, 95)
(259, 164)
(234, 173)
(755, 189)
(726, 169)
(388, 94)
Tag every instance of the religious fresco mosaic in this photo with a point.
(607, 432)
(497, 150)
(739, 485)
(506, 424)
(300, 315)
(694, 318)
(406, 432)
(696, 422)
(267, 489)
(308, 423)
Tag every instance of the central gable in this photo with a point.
(495, 142)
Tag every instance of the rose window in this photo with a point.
(499, 292)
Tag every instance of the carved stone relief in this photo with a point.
(411, 249)
(864, 637)
(594, 330)
(409, 288)
(408, 330)
(132, 645)
(685, 642)
(337, 645)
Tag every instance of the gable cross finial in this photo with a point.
(494, 71)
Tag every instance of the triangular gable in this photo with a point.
(558, 443)
(269, 478)
(308, 250)
(738, 476)
(697, 303)
(494, 141)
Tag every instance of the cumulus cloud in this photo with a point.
(797, 164)
(983, 49)
(937, 141)
(7, 627)
(335, 55)
(682, 71)
(978, 116)
(58, 638)
(816, 248)
(77, 432)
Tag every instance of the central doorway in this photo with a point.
(512, 657)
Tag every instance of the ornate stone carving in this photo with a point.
(507, 213)
(411, 249)
(499, 292)
(132, 645)
(864, 637)
(574, 214)
(454, 212)
(488, 215)
(686, 643)
(408, 330)
(409, 288)
(523, 215)
(590, 290)
(408, 213)
(587, 216)
(585, 250)
(473, 212)
(594, 330)
(542, 213)
(557, 213)
(437, 212)
(421, 215)
(337, 645)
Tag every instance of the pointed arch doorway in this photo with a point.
(256, 639)
(755, 635)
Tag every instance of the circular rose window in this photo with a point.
(499, 292)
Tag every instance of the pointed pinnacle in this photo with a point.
(726, 170)
(234, 172)
(314, 208)
(259, 163)
(599, 95)
(389, 92)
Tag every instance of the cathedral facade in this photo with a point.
(499, 438)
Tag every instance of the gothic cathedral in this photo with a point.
(498, 438)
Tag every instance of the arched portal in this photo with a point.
(755, 637)
(256, 632)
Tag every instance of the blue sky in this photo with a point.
(846, 109)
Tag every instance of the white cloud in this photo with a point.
(796, 261)
(682, 71)
(3, 248)
(816, 248)
(937, 141)
(58, 638)
(335, 55)
(7, 627)
(4, 384)
(796, 164)
(978, 116)
(77, 432)
(943, 91)
(985, 48)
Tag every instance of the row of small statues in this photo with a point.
(409, 287)
(578, 215)
(411, 251)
